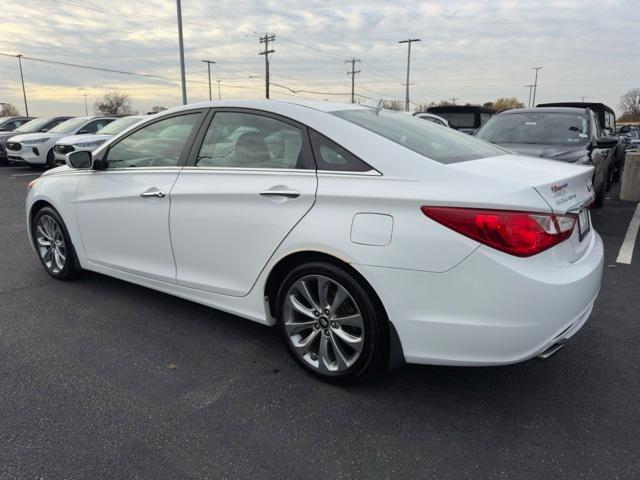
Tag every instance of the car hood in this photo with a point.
(84, 138)
(565, 153)
(31, 136)
(563, 186)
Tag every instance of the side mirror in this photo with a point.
(83, 131)
(606, 142)
(81, 159)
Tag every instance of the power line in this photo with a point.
(99, 69)
(266, 52)
(353, 74)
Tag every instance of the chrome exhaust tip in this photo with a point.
(550, 351)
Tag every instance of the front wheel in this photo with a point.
(330, 323)
(53, 245)
(51, 159)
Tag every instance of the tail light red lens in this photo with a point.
(518, 233)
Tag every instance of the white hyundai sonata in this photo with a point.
(368, 237)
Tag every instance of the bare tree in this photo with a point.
(630, 104)
(113, 103)
(158, 108)
(397, 105)
(8, 110)
(504, 103)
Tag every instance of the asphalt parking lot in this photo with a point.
(103, 379)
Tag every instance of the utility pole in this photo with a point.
(181, 46)
(353, 74)
(209, 62)
(218, 89)
(583, 99)
(530, 87)
(453, 100)
(24, 93)
(535, 85)
(408, 42)
(86, 110)
(266, 39)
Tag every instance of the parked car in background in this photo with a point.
(36, 149)
(91, 141)
(43, 124)
(570, 135)
(606, 117)
(9, 124)
(430, 117)
(466, 118)
(367, 236)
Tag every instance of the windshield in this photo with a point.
(69, 126)
(432, 141)
(33, 126)
(119, 125)
(537, 128)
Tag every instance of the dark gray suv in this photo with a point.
(560, 133)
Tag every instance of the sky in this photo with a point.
(471, 50)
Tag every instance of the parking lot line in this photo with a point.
(626, 250)
(26, 174)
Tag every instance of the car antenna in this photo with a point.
(375, 103)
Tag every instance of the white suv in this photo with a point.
(91, 141)
(36, 149)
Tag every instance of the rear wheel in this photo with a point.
(330, 324)
(53, 245)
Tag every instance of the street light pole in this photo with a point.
(535, 85)
(181, 46)
(530, 87)
(24, 93)
(209, 62)
(218, 89)
(408, 42)
(86, 110)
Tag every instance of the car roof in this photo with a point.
(264, 104)
(595, 106)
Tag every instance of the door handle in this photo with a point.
(153, 193)
(280, 193)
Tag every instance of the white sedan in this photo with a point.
(91, 141)
(368, 237)
(36, 149)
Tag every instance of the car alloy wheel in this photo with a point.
(51, 244)
(323, 324)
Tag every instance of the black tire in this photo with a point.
(71, 267)
(51, 159)
(375, 351)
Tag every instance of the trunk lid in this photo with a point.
(566, 188)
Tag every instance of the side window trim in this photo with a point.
(185, 149)
(306, 143)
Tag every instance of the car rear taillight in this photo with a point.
(518, 233)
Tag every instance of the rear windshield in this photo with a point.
(460, 119)
(443, 145)
(537, 128)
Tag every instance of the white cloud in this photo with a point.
(475, 50)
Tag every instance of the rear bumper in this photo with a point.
(492, 308)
